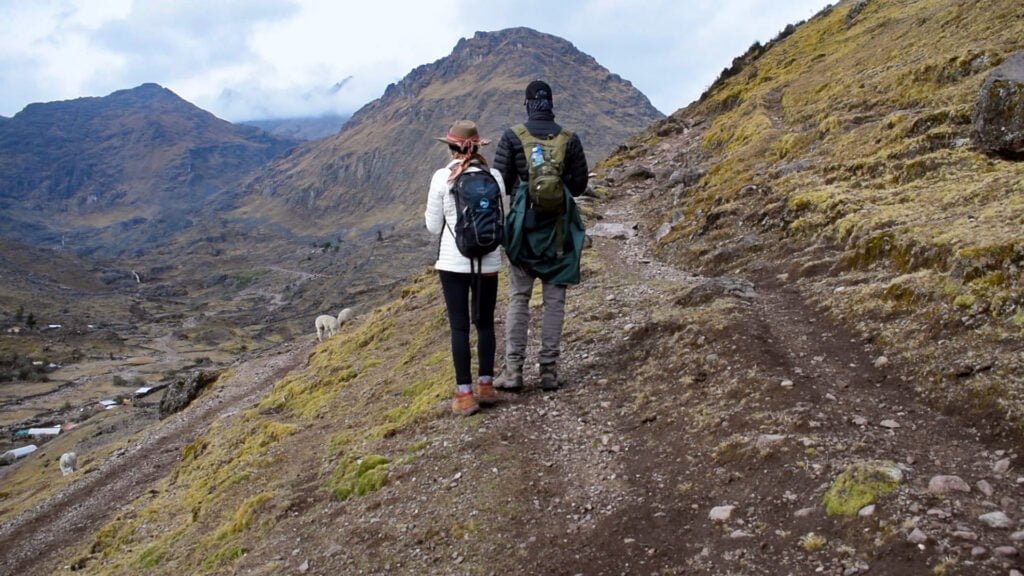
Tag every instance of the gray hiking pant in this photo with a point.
(520, 288)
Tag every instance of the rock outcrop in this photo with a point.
(184, 390)
(999, 113)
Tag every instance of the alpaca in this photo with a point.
(330, 324)
(68, 463)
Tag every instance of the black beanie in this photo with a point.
(538, 90)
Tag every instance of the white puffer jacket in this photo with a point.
(440, 217)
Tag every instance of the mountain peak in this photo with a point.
(365, 166)
(148, 93)
(140, 152)
(142, 95)
(152, 87)
(492, 39)
(522, 53)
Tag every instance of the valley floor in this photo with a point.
(702, 423)
(35, 541)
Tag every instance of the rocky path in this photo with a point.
(33, 540)
(702, 423)
(731, 439)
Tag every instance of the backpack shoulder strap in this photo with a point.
(521, 131)
(523, 134)
(562, 139)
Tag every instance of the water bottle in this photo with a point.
(537, 155)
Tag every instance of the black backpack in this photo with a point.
(479, 228)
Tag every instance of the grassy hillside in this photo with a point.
(312, 436)
(833, 166)
(841, 156)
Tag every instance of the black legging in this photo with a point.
(457, 288)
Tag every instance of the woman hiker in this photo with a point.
(465, 282)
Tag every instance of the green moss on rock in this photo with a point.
(859, 485)
(359, 477)
(965, 301)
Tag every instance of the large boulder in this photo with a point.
(184, 390)
(999, 113)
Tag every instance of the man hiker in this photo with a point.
(545, 167)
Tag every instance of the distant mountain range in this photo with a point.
(143, 180)
(301, 128)
(375, 171)
(124, 170)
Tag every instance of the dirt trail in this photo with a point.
(763, 414)
(34, 539)
(683, 394)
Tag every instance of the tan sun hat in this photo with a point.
(462, 133)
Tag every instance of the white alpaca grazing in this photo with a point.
(329, 324)
(68, 463)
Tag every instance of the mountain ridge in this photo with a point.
(483, 79)
(770, 312)
(92, 166)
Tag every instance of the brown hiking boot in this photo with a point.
(485, 394)
(511, 380)
(464, 404)
(548, 378)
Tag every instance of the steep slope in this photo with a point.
(124, 170)
(373, 173)
(744, 423)
(765, 417)
(707, 426)
(841, 158)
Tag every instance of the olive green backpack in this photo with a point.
(545, 158)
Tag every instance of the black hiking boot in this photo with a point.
(510, 380)
(548, 379)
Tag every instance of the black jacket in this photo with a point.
(510, 159)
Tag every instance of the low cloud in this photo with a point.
(670, 50)
(252, 59)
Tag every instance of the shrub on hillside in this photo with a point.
(14, 366)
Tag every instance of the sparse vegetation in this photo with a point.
(243, 517)
(859, 485)
(345, 381)
(358, 477)
(14, 366)
(812, 542)
(867, 158)
(833, 172)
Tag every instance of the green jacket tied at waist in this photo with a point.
(548, 247)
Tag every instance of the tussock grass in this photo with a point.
(855, 136)
(383, 375)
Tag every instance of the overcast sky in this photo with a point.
(251, 59)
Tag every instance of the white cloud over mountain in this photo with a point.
(247, 59)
